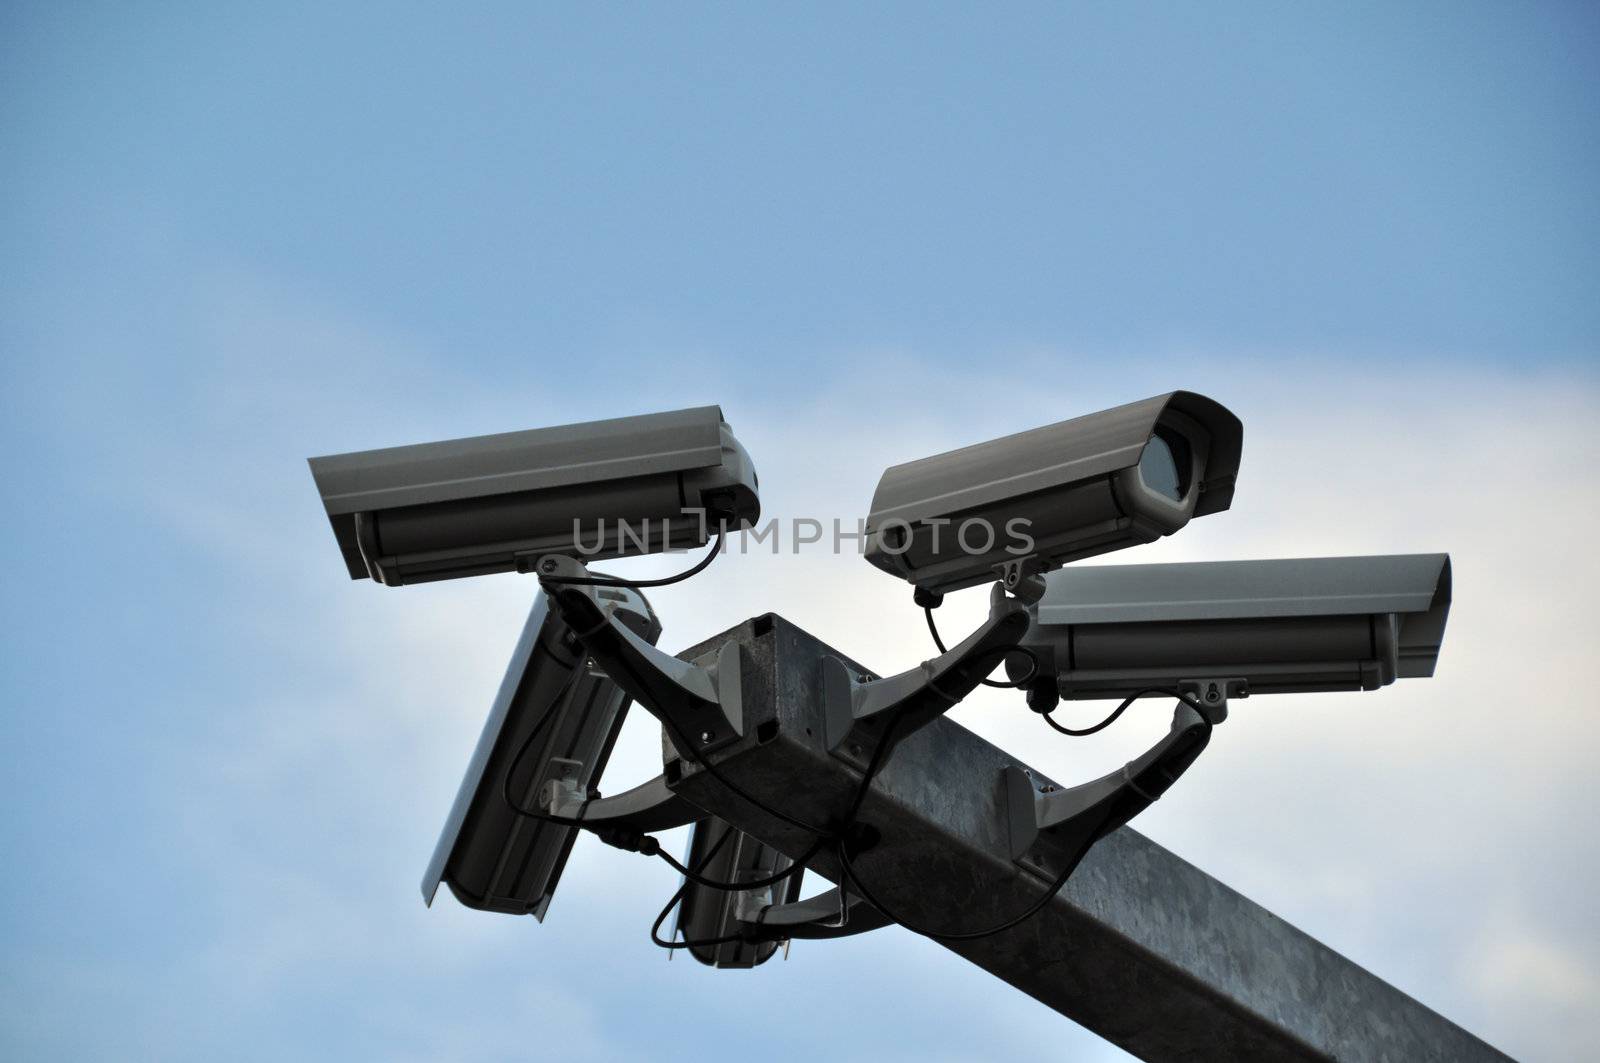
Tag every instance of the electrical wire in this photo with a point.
(646, 843)
(522, 751)
(694, 876)
(600, 828)
(715, 772)
(677, 898)
(1033, 658)
(1119, 710)
(616, 581)
(840, 836)
(683, 740)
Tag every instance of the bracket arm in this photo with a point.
(831, 914)
(859, 709)
(648, 807)
(699, 706)
(1051, 829)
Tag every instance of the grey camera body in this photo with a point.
(602, 489)
(722, 853)
(1281, 626)
(490, 856)
(1055, 494)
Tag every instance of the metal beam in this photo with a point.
(1141, 947)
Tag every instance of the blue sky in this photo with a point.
(233, 237)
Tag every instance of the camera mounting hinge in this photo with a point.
(1213, 694)
(1023, 577)
(860, 709)
(1052, 828)
(650, 806)
(830, 914)
(701, 707)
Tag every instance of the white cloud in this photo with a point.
(1386, 823)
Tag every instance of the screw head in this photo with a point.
(548, 565)
(705, 737)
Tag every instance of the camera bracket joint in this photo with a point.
(861, 712)
(1052, 828)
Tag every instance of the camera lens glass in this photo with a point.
(1158, 468)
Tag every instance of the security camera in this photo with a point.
(722, 853)
(1031, 502)
(603, 489)
(554, 721)
(1246, 627)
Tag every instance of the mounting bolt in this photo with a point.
(705, 737)
(548, 565)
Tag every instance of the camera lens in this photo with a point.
(1158, 468)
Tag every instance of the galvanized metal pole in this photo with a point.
(1141, 947)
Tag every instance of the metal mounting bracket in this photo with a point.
(859, 708)
(700, 707)
(1052, 828)
(650, 806)
(831, 914)
(1213, 694)
(1023, 577)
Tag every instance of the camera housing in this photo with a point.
(723, 853)
(1082, 487)
(492, 857)
(1278, 626)
(495, 503)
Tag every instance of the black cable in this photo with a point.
(522, 751)
(655, 927)
(644, 843)
(615, 581)
(1119, 710)
(849, 872)
(638, 843)
(683, 740)
(879, 751)
(694, 876)
(1033, 658)
(600, 828)
(716, 773)
(650, 846)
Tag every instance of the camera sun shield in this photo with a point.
(1290, 625)
(1087, 486)
(602, 489)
